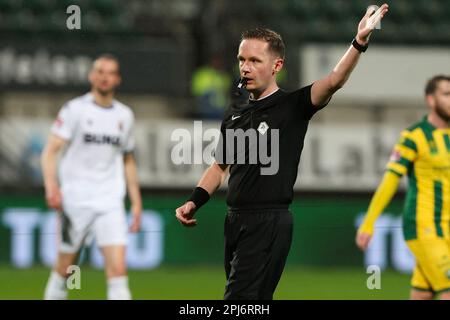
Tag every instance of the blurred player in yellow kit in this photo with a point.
(423, 154)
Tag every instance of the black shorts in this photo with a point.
(257, 244)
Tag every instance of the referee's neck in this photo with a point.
(267, 92)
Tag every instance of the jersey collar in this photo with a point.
(266, 96)
(92, 100)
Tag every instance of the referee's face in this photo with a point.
(258, 65)
(104, 76)
(440, 100)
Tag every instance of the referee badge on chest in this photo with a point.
(263, 127)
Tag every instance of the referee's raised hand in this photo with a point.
(369, 22)
(185, 214)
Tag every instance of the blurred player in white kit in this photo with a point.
(88, 190)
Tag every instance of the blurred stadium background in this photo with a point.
(178, 63)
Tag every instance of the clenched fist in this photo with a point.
(185, 214)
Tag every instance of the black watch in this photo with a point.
(358, 46)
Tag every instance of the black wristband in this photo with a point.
(358, 46)
(199, 197)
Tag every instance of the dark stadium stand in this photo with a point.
(327, 20)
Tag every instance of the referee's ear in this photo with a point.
(278, 65)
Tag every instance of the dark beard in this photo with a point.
(103, 93)
(442, 114)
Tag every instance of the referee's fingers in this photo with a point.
(370, 11)
(190, 223)
(184, 217)
(186, 222)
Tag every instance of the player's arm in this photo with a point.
(134, 192)
(380, 200)
(211, 180)
(49, 159)
(323, 89)
(403, 156)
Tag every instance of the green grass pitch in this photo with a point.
(203, 282)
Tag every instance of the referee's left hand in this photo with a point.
(185, 214)
(369, 22)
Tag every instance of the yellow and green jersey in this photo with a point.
(423, 154)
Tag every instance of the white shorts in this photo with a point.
(78, 225)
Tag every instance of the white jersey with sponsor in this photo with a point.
(91, 170)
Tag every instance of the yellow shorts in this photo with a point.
(432, 271)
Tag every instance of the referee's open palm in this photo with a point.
(370, 21)
(185, 214)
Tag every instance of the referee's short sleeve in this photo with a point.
(65, 122)
(220, 151)
(303, 101)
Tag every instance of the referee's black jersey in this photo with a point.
(279, 123)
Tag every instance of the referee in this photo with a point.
(258, 226)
